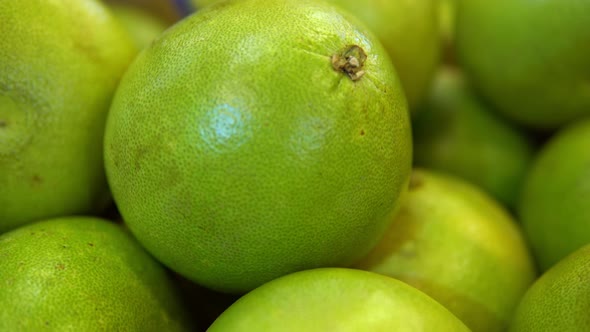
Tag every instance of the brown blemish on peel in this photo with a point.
(350, 61)
(36, 179)
(3, 123)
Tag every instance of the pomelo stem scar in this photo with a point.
(350, 61)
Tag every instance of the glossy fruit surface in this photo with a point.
(336, 299)
(258, 138)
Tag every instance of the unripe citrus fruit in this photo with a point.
(456, 132)
(560, 299)
(60, 63)
(529, 58)
(258, 138)
(336, 299)
(409, 30)
(83, 274)
(555, 204)
(456, 244)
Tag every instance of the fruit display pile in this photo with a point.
(295, 165)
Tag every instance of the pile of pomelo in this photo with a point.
(295, 165)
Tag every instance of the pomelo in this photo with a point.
(456, 132)
(456, 244)
(560, 299)
(258, 138)
(555, 205)
(61, 62)
(409, 30)
(336, 299)
(83, 274)
(530, 58)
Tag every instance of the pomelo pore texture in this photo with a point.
(560, 299)
(60, 64)
(258, 138)
(83, 274)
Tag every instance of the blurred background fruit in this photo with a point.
(457, 133)
(560, 299)
(456, 244)
(61, 62)
(169, 11)
(333, 299)
(447, 13)
(83, 274)
(555, 205)
(529, 58)
(142, 25)
(233, 173)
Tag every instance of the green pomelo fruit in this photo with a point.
(555, 205)
(560, 299)
(258, 138)
(336, 299)
(530, 58)
(83, 274)
(409, 30)
(456, 244)
(142, 26)
(457, 133)
(61, 62)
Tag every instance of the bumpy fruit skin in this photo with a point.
(336, 299)
(237, 153)
(560, 299)
(555, 205)
(83, 274)
(457, 245)
(458, 133)
(530, 58)
(409, 30)
(61, 62)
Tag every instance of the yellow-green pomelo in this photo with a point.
(560, 299)
(456, 244)
(456, 132)
(336, 299)
(142, 26)
(60, 64)
(258, 138)
(555, 204)
(530, 58)
(409, 30)
(83, 274)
